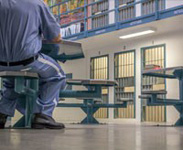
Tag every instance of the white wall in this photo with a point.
(111, 14)
(81, 69)
(173, 3)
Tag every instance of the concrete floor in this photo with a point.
(97, 137)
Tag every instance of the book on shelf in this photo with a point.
(157, 87)
(152, 67)
(129, 89)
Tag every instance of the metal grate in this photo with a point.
(152, 58)
(125, 75)
(99, 69)
(149, 7)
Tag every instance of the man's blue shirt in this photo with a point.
(22, 25)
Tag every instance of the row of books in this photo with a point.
(123, 91)
(154, 87)
(152, 80)
(100, 21)
(124, 71)
(100, 7)
(125, 112)
(72, 29)
(105, 98)
(123, 2)
(50, 2)
(118, 96)
(68, 6)
(125, 82)
(71, 5)
(126, 13)
(99, 74)
(66, 19)
(150, 6)
(125, 59)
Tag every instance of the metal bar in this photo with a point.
(160, 75)
(71, 105)
(93, 105)
(157, 9)
(181, 89)
(167, 101)
(80, 94)
(85, 17)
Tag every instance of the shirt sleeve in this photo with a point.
(49, 26)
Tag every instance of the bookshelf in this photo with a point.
(154, 57)
(125, 75)
(64, 18)
(127, 12)
(149, 7)
(103, 19)
(74, 16)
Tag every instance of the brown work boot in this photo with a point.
(42, 121)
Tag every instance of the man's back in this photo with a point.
(21, 28)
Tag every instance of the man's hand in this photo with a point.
(58, 39)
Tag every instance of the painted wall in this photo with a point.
(173, 3)
(81, 69)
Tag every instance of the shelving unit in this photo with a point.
(149, 7)
(127, 12)
(93, 17)
(60, 11)
(97, 9)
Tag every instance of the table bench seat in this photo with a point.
(159, 92)
(18, 74)
(125, 100)
(144, 96)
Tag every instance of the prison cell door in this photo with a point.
(125, 75)
(99, 70)
(153, 57)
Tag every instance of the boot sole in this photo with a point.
(44, 126)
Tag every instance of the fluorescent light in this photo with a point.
(135, 34)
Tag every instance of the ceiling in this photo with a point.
(170, 25)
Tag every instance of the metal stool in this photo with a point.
(26, 85)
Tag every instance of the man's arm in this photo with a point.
(48, 25)
(58, 39)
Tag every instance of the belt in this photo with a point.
(22, 62)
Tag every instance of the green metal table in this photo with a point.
(152, 97)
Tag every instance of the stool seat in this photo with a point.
(26, 84)
(18, 74)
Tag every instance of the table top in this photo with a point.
(92, 82)
(18, 74)
(164, 73)
(64, 50)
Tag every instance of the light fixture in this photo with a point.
(137, 33)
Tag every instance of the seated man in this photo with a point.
(23, 23)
